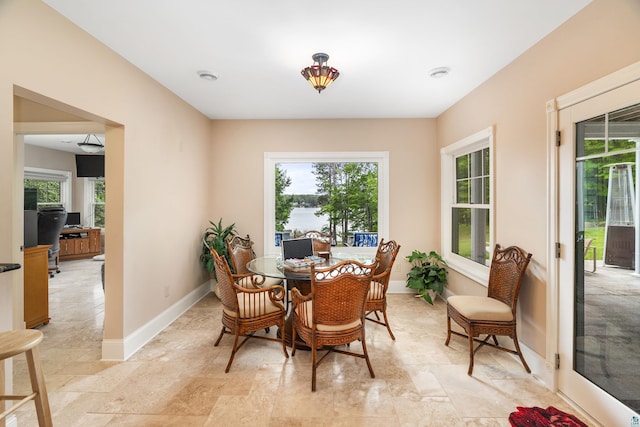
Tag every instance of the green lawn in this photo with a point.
(596, 233)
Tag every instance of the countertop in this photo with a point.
(7, 266)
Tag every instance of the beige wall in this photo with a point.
(157, 168)
(238, 157)
(597, 41)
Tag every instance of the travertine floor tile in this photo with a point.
(178, 379)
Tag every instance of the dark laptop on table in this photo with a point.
(297, 248)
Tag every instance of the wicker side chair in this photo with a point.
(241, 252)
(494, 314)
(377, 297)
(321, 241)
(246, 311)
(333, 313)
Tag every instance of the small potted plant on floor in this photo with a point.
(428, 274)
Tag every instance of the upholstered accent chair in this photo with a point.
(332, 315)
(377, 296)
(495, 314)
(246, 311)
(241, 252)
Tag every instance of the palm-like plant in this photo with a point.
(216, 236)
(428, 273)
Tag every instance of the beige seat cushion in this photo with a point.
(308, 306)
(247, 303)
(376, 290)
(480, 308)
(246, 282)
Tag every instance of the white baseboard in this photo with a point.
(120, 350)
(399, 287)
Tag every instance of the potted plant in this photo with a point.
(428, 274)
(215, 236)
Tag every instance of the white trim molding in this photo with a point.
(591, 90)
(479, 140)
(121, 350)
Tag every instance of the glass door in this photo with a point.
(599, 286)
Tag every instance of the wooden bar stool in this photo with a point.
(26, 341)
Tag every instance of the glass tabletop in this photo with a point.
(272, 266)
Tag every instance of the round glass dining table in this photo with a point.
(273, 266)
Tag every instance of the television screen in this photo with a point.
(89, 166)
(73, 218)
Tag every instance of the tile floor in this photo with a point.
(178, 378)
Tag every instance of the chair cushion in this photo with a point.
(376, 290)
(480, 308)
(308, 306)
(245, 282)
(246, 302)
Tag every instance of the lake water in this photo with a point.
(304, 219)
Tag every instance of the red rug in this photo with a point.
(539, 417)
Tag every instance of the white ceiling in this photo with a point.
(66, 142)
(383, 50)
(257, 48)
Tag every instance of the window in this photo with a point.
(94, 206)
(52, 186)
(380, 159)
(467, 204)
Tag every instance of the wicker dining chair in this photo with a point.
(246, 311)
(377, 297)
(495, 314)
(321, 241)
(241, 252)
(333, 313)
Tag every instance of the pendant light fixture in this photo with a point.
(89, 146)
(320, 75)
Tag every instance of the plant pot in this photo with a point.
(432, 294)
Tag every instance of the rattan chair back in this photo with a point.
(505, 277)
(321, 241)
(241, 252)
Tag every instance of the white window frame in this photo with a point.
(64, 177)
(89, 201)
(478, 141)
(273, 158)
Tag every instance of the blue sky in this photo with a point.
(302, 180)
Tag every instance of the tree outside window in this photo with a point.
(345, 194)
(49, 192)
(97, 205)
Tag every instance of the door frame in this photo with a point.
(556, 250)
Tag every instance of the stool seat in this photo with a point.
(16, 342)
(13, 343)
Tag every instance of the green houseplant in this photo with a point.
(215, 236)
(428, 274)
